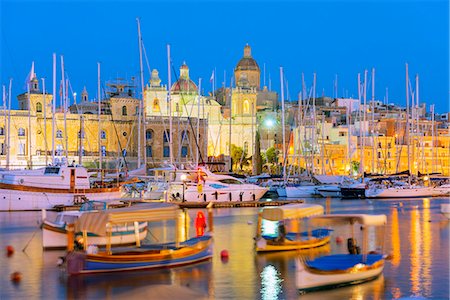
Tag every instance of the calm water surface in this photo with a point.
(417, 236)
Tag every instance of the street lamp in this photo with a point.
(269, 124)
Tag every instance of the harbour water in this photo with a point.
(417, 236)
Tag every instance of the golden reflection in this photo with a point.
(395, 236)
(426, 250)
(415, 257)
(271, 283)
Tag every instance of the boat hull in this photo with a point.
(267, 246)
(308, 280)
(300, 191)
(221, 195)
(353, 193)
(32, 198)
(79, 263)
(398, 193)
(55, 237)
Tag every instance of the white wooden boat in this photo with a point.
(54, 232)
(306, 238)
(445, 209)
(336, 270)
(53, 185)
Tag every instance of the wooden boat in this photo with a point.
(291, 240)
(54, 232)
(141, 256)
(445, 209)
(336, 270)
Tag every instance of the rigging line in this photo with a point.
(145, 55)
(189, 119)
(108, 103)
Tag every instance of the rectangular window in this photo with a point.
(103, 151)
(389, 154)
(21, 150)
(184, 151)
(166, 151)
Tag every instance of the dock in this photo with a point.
(182, 205)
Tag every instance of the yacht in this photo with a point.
(47, 187)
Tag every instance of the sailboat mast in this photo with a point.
(314, 124)
(170, 105)
(432, 138)
(45, 120)
(323, 144)
(282, 123)
(372, 127)
(8, 147)
(99, 108)
(229, 129)
(198, 122)
(4, 113)
(53, 108)
(407, 124)
(66, 99)
(361, 150)
(365, 113)
(349, 139)
(141, 72)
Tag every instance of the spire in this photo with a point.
(84, 95)
(247, 51)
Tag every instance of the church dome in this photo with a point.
(184, 84)
(247, 63)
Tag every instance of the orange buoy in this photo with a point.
(9, 250)
(338, 240)
(16, 277)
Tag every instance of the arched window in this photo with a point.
(185, 136)
(156, 105)
(124, 110)
(103, 135)
(59, 134)
(39, 107)
(21, 132)
(246, 107)
(166, 136)
(148, 134)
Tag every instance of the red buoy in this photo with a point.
(338, 240)
(16, 277)
(9, 250)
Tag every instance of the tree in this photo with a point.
(257, 160)
(238, 156)
(272, 155)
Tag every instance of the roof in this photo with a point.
(363, 219)
(291, 211)
(247, 63)
(184, 85)
(96, 222)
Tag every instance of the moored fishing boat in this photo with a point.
(359, 265)
(50, 186)
(284, 240)
(141, 256)
(54, 232)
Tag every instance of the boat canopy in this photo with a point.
(363, 219)
(291, 211)
(97, 222)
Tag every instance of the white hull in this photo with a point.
(399, 192)
(300, 191)
(443, 190)
(307, 280)
(331, 191)
(54, 236)
(30, 200)
(281, 191)
(232, 193)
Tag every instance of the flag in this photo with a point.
(30, 76)
(212, 76)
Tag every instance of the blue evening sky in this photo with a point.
(326, 37)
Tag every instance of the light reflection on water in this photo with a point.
(417, 235)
